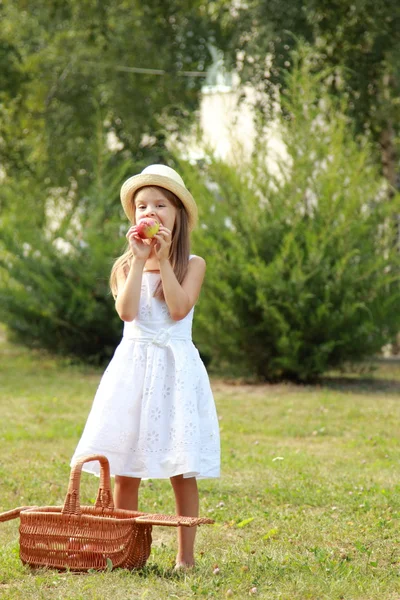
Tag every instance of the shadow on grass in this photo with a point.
(146, 571)
(161, 572)
(379, 376)
(362, 385)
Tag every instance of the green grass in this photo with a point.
(307, 506)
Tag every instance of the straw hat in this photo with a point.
(164, 177)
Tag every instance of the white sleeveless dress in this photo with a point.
(154, 415)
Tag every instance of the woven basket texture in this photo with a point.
(80, 538)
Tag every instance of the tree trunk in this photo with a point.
(389, 164)
(389, 159)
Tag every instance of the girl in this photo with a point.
(154, 415)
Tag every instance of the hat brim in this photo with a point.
(136, 182)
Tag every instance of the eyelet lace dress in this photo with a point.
(153, 415)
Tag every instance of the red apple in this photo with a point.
(147, 228)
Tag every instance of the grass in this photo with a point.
(307, 506)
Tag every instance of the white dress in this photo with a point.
(154, 415)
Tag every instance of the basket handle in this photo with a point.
(13, 514)
(104, 498)
(173, 520)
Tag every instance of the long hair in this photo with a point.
(179, 251)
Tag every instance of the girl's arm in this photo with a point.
(129, 288)
(181, 298)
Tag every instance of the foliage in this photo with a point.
(303, 262)
(54, 291)
(360, 41)
(65, 66)
(89, 92)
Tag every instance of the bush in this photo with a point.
(303, 261)
(54, 291)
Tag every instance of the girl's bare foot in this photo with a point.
(183, 566)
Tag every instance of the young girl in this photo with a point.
(154, 415)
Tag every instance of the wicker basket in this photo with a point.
(80, 538)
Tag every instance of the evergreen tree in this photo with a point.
(304, 274)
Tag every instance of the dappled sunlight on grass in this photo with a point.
(307, 505)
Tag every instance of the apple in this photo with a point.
(147, 228)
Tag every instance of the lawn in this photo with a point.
(307, 506)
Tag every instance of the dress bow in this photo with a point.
(162, 338)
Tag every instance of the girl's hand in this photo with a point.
(163, 241)
(140, 248)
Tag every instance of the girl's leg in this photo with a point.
(126, 492)
(187, 504)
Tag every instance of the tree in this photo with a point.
(359, 40)
(304, 275)
(67, 65)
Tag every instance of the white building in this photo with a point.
(226, 119)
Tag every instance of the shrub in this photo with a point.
(54, 291)
(303, 258)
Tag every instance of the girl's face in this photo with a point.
(152, 202)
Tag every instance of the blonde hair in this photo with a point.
(180, 246)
